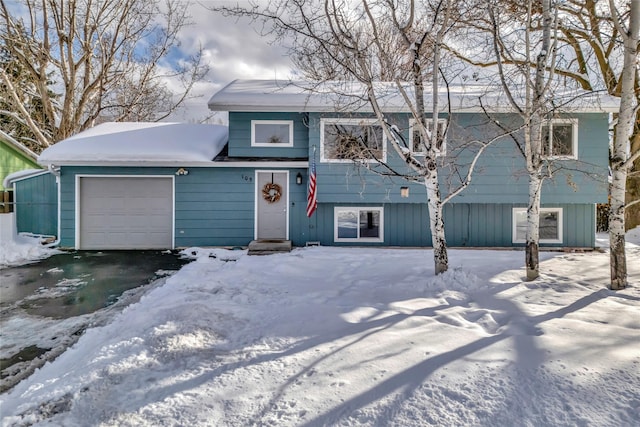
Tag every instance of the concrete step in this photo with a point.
(269, 246)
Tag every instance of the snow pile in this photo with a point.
(633, 236)
(22, 250)
(355, 337)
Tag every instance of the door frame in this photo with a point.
(257, 194)
(78, 179)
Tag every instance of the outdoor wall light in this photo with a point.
(182, 171)
(404, 191)
(299, 179)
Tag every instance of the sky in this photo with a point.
(352, 337)
(232, 49)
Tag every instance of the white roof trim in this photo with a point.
(292, 96)
(22, 175)
(15, 144)
(217, 164)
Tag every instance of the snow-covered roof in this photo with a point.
(135, 143)
(8, 181)
(15, 144)
(281, 95)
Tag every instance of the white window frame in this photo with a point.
(358, 209)
(574, 138)
(514, 234)
(271, 122)
(443, 122)
(349, 121)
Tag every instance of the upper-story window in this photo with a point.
(346, 140)
(272, 133)
(560, 139)
(418, 147)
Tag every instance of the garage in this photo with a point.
(118, 212)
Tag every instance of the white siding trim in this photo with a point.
(350, 121)
(514, 234)
(271, 122)
(256, 194)
(574, 138)
(358, 209)
(412, 123)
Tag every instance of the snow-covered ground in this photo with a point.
(356, 337)
(22, 249)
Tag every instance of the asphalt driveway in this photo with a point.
(45, 306)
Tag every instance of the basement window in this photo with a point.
(358, 224)
(550, 225)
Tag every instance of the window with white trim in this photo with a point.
(415, 139)
(358, 224)
(272, 133)
(560, 139)
(550, 225)
(347, 140)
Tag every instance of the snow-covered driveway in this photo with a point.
(355, 337)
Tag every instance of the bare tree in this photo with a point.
(524, 62)
(621, 160)
(592, 53)
(71, 64)
(364, 43)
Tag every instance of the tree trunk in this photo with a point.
(618, 259)
(533, 228)
(620, 161)
(436, 222)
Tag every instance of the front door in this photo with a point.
(272, 202)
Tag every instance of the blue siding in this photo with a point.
(500, 175)
(240, 136)
(213, 206)
(36, 206)
(467, 225)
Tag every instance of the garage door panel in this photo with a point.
(126, 213)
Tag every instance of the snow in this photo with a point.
(137, 142)
(22, 174)
(356, 337)
(23, 249)
(304, 96)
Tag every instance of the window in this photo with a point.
(347, 140)
(550, 225)
(560, 139)
(272, 133)
(415, 140)
(358, 224)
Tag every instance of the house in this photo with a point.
(163, 185)
(34, 210)
(14, 157)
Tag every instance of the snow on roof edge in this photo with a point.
(22, 174)
(139, 143)
(251, 95)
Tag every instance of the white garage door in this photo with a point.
(126, 213)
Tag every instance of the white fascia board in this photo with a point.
(238, 164)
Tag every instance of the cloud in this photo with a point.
(232, 49)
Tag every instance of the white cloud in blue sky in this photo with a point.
(233, 49)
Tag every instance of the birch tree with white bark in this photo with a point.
(621, 157)
(67, 65)
(526, 71)
(593, 54)
(368, 41)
